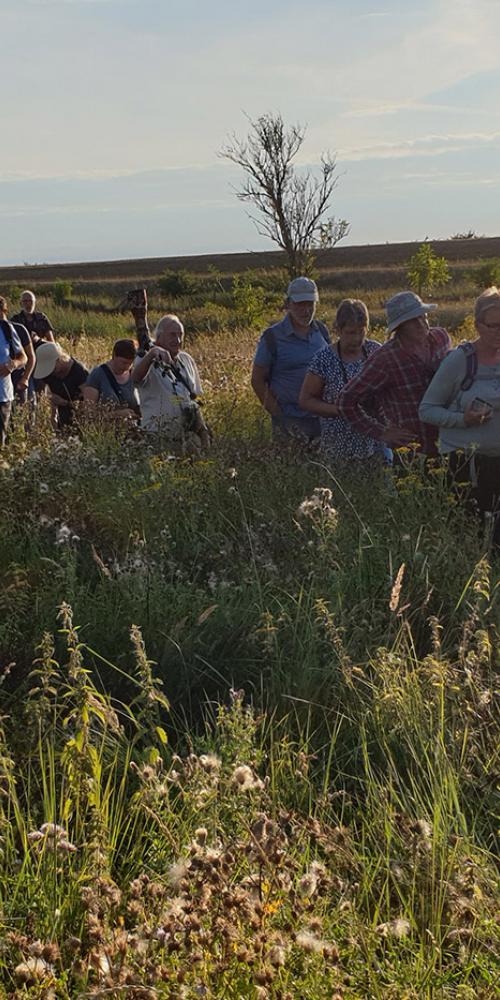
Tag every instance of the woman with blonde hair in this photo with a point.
(463, 400)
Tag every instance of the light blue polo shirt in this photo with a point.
(289, 365)
(6, 387)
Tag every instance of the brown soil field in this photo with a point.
(377, 256)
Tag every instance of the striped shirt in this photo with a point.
(389, 388)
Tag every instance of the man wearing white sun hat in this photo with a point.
(383, 399)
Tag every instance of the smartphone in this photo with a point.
(481, 406)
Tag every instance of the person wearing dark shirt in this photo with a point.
(64, 377)
(37, 323)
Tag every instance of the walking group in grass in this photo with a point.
(361, 400)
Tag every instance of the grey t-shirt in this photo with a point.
(99, 380)
(444, 404)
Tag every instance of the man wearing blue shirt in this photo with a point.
(12, 356)
(282, 359)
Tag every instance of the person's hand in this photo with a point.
(397, 437)
(473, 417)
(6, 369)
(22, 385)
(160, 354)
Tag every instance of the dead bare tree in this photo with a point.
(291, 204)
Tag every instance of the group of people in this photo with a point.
(363, 399)
(360, 399)
(156, 384)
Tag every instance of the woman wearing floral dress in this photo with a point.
(329, 371)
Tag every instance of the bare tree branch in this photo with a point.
(291, 206)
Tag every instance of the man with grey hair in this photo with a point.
(383, 399)
(169, 384)
(284, 353)
(37, 323)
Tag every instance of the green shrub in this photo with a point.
(62, 292)
(487, 274)
(427, 271)
(175, 284)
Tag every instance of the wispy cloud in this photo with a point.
(426, 145)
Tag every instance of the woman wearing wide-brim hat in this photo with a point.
(64, 377)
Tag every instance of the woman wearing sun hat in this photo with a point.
(383, 399)
(64, 377)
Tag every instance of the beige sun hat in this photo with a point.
(46, 357)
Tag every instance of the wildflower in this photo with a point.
(32, 971)
(177, 872)
(210, 763)
(277, 955)
(308, 884)
(398, 928)
(422, 829)
(244, 779)
(309, 942)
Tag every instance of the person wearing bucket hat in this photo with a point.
(64, 377)
(284, 353)
(383, 399)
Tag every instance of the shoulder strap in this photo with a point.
(270, 342)
(113, 383)
(7, 332)
(323, 329)
(470, 365)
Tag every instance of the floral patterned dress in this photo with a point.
(339, 439)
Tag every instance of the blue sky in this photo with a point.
(113, 112)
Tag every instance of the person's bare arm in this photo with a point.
(260, 386)
(90, 394)
(140, 370)
(311, 397)
(29, 350)
(18, 361)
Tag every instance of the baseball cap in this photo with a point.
(46, 358)
(404, 306)
(302, 290)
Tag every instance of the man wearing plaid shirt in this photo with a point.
(383, 399)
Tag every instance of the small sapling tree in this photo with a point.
(291, 206)
(427, 271)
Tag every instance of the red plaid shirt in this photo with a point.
(389, 389)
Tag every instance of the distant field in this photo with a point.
(381, 255)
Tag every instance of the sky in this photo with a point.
(113, 112)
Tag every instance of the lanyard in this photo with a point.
(345, 376)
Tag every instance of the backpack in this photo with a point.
(7, 331)
(470, 365)
(270, 339)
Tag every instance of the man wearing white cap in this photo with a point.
(383, 400)
(284, 353)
